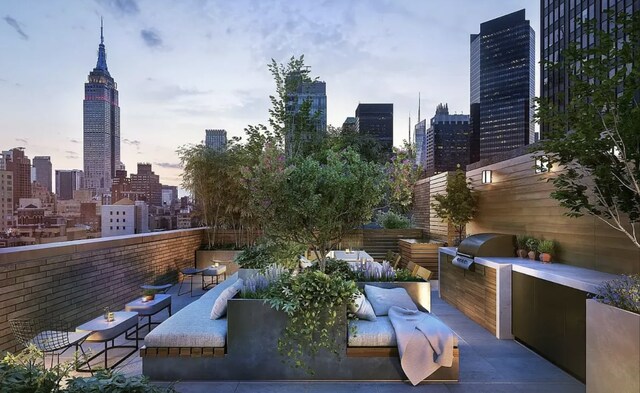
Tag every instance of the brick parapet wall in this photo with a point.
(75, 280)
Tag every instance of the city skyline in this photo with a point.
(179, 73)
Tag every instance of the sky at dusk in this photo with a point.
(184, 66)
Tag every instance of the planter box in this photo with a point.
(423, 253)
(420, 291)
(247, 273)
(204, 257)
(613, 349)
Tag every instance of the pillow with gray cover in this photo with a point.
(382, 299)
(219, 308)
(361, 308)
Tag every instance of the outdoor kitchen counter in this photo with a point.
(585, 280)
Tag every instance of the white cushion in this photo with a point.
(361, 308)
(382, 299)
(372, 334)
(219, 308)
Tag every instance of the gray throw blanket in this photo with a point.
(424, 342)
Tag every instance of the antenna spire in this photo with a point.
(419, 107)
(101, 31)
(409, 127)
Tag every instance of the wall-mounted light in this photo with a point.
(542, 164)
(486, 177)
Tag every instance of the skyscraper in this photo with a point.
(216, 139)
(376, 120)
(447, 142)
(503, 84)
(304, 91)
(101, 118)
(19, 164)
(147, 182)
(419, 135)
(43, 169)
(68, 181)
(560, 27)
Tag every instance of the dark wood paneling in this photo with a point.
(423, 254)
(518, 202)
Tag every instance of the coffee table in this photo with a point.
(148, 309)
(103, 332)
(214, 271)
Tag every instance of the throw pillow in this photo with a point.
(382, 299)
(362, 309)
(220, 305)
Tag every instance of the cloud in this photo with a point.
(23, 140)
(72, 155)
(16, 26)
(121, 7)
(168, 165)
(133, 142)
(74, 140)
(151, 38)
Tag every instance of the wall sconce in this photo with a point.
(542, 164)
(486, 177)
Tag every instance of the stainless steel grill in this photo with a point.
(484, 245)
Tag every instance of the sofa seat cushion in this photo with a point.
(378, 333)
(192, 326)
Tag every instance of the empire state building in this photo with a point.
(101, 124)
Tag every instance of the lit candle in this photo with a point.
(111, 316)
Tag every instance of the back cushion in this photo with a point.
(382, 299)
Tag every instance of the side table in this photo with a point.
(103, 332)
(148, 309)
(214, 271)
(190, 272)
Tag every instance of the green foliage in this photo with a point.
(459, 204)
(267, 252)
(405, 275)
(521, 241)
(314, 202)
(402, 174)
(366, 145)
(533, 244)
(315, 304)
(546, 246)
(25, 373)
(337, 267)
(623, 293)
(149, 292)
(595, 138)
(392, 220)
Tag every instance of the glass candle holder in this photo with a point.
(111, 316)
(106, 313)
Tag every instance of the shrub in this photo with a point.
(532, 244)
(269, 252)
(256, 287)
(392, 220)
(623, 293)
(521, 241)
(546, 246)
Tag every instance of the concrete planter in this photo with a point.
(613, 349)
(204, 257)
(420, 291)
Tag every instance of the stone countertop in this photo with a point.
(586, 280)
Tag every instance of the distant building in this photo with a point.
(89, 215)
(503, 83)
(147, 182)
(376, 120)
(216, 139)
(16, 162)
(124, 217)
(447, 142)
(6, 200)
(43, 171)
(101, 124)
(46, 197)
(184, 221)
(419, 136)
(169, 195)
(68, 181)
(30, 215)
(314, 92)
(349, 124)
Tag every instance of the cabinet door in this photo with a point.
(549, 311)
(523, 323)
(575, 333)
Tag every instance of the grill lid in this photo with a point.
(488, 245)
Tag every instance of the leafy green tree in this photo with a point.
(402, 174)
(459, 204)
(596, 137)
(315, 202)
(367, 146)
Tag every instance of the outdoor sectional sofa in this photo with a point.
(243, 346)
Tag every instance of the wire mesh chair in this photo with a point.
(50, 336)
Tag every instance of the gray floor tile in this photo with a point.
(549, 388)
(394, 387)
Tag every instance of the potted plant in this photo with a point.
(521, 241)
(532, 246)
(546, 248)
(613, 332)
(148, 295)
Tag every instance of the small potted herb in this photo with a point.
(532, 246)
(546, 248)
(148, 295)
(521, 241)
